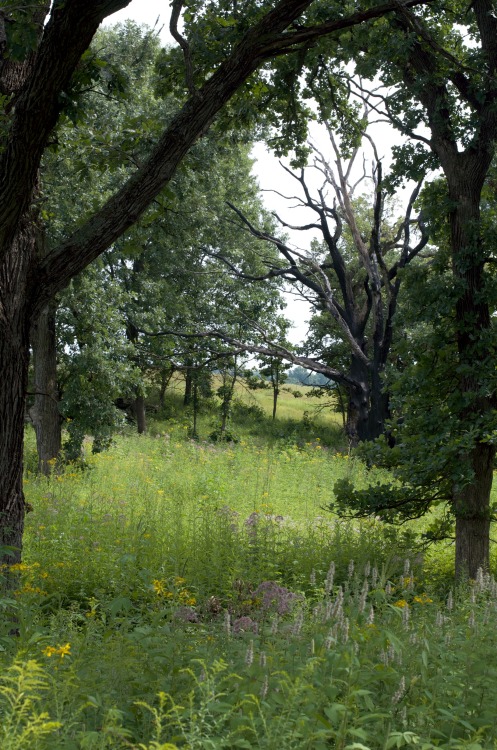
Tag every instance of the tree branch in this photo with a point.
(177, 6)
(128, 204)
(269, 350)
(66, 36)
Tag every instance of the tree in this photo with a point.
(275, 368)
(352, 277)
(44, 412)
(440, 67)
(40, 71)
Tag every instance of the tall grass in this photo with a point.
(180, 594)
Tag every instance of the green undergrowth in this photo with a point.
(180, 594)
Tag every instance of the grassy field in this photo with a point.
(183, 594)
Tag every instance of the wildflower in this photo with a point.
(479, 582)
(328, 586)
(249, 656)
(265, 686)
(19, 567)
(401, 603)
(227, 623)
(275, 597)
(406, 612)
(330, 639)
(297, 625)
(245, 625)
(400, 692)
(370, 622)
(363, 597)
(374, 577)
(351, 569)
(336, 610)
(345, 630)
(423, 599)
(61, 651)
(159, 587)
(186, 597)
(450, 601)
(28, 588)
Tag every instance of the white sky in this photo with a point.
(271, 177)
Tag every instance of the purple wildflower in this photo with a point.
(275, 597)
(245, 625)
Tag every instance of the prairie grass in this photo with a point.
(180, 594)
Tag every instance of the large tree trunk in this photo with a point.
(276, 393)
(471, 503)
(165, 379)
(140, 415)
(379, 406)
(367, 412)
(187, 397)
(45, 412)
(472, 509)
(358, 408)
(14, 359)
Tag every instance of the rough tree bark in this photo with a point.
(187, 395)
(140, 414)
(471, 504)
(44, 413)
(14, 357)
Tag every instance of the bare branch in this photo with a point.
(176, 8)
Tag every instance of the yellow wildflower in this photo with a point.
(29, 589)
(64, 650)
(61, 651)
(401, 603)
(159, 586)
(423, 599)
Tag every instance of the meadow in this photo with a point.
(191, 594)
